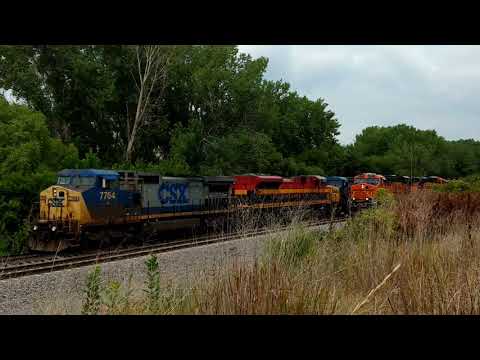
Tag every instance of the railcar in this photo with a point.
(427, 182)
(398, 184)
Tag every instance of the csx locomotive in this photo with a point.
(91, 206)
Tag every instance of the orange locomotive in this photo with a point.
(364, 189)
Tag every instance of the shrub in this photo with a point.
(92, 300)
(152, 284)
(112, 297)
(385, 198)
(368, 224)
(292, 247)
(453, 186)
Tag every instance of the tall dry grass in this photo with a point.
(419, 254)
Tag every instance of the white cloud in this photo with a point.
(430, 87)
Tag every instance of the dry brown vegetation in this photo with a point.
(419, 254)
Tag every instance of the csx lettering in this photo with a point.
(107, 195)
(172, 193)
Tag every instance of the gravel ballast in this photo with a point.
(62, 291)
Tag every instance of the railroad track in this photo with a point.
(18, 258)
(24, 265)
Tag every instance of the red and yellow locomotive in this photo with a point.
(275, 191)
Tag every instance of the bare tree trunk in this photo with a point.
(152, 62)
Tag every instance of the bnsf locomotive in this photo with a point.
(363, 191)
(91, 206)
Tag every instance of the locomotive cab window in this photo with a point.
(336, 183)
(86, 181)
(368, 181)
(111, 183)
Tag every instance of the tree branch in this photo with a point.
(152, 63)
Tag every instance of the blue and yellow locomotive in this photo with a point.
(101, 205)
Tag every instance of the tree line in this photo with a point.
(182, 110)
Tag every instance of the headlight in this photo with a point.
(353, 198)
(35, 227)
(366, 199)
(54, 228)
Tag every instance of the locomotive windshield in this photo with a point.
(63, 180)
(368, 181)
(76, 180)
(337, 183)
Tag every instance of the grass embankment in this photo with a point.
(419, 254)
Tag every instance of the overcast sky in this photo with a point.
(429, 87)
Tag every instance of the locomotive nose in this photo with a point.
(58, 203)
(58, 219)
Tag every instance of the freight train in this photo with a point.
(92, 206)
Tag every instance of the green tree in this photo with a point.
(83, 91)
(29, 159)
(405, 150)
(88, 93)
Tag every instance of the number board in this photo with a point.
(107, 195)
